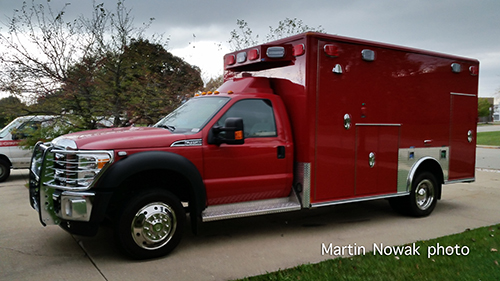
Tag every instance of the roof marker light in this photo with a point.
(368, 55)
(275, 52)
(299, 50)
(216, 92)
(230, 92)
(209, 92)
(253, 54)
(474, 70)
(456, 67)
(241, 57)
(331, 50)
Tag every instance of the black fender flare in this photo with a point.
(136, 163)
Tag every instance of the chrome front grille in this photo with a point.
(73, 170)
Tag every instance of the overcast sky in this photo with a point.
(469, 28)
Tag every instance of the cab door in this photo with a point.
(257, 169)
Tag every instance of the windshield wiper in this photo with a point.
(169, 127)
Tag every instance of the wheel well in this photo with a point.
(174, 182)
(6, 159)
(433, 167)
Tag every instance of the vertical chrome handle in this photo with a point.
(347, 121)
(371, 159)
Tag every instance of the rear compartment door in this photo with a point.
(462, 136)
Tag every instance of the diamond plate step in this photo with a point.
(252, 208)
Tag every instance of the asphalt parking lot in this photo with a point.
(236, 248)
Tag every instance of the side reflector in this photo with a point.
(253, 54)
(275, 52)
(299, 50)
(331, 50)
(474, 70)
(238, 135)
(229, 60)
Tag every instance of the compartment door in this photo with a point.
(462, 136)
(376, 159)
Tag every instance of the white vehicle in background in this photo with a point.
(11, 154)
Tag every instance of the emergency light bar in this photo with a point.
(263, 56)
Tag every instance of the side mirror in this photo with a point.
(233, 132)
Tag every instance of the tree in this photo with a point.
(484, 108)
(10, 107)
(214, 83)
(243, 36)
(91, 69)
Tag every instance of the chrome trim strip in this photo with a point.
(361, 199)
(460, 180)
(378, 124)
(302, 183)
(462, 94)
(189, 142)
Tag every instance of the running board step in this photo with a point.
(251, 208)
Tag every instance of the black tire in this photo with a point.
(4, 170)
(423, 195)
(422, 199)
(150, 225)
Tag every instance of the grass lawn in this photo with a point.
(488, 138)
(471, 255)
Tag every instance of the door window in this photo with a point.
(257, 115)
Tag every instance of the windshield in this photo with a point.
(6, 130)
(193, 115)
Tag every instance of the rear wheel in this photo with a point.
(4, 170)
(422, 199)
(150, 225)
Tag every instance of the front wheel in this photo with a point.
(4, 170)
(150, 225)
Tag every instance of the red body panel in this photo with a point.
(404, 98)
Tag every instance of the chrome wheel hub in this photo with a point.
(153, 226)
(424, 194)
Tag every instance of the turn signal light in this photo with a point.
(238, 135)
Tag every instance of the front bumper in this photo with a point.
(54, 205)
(58, 204)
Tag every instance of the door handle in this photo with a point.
(281, 152)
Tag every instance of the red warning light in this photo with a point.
(299, 50)
(253, 54)
(331, 50)
(474, 70)
(229, 60)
